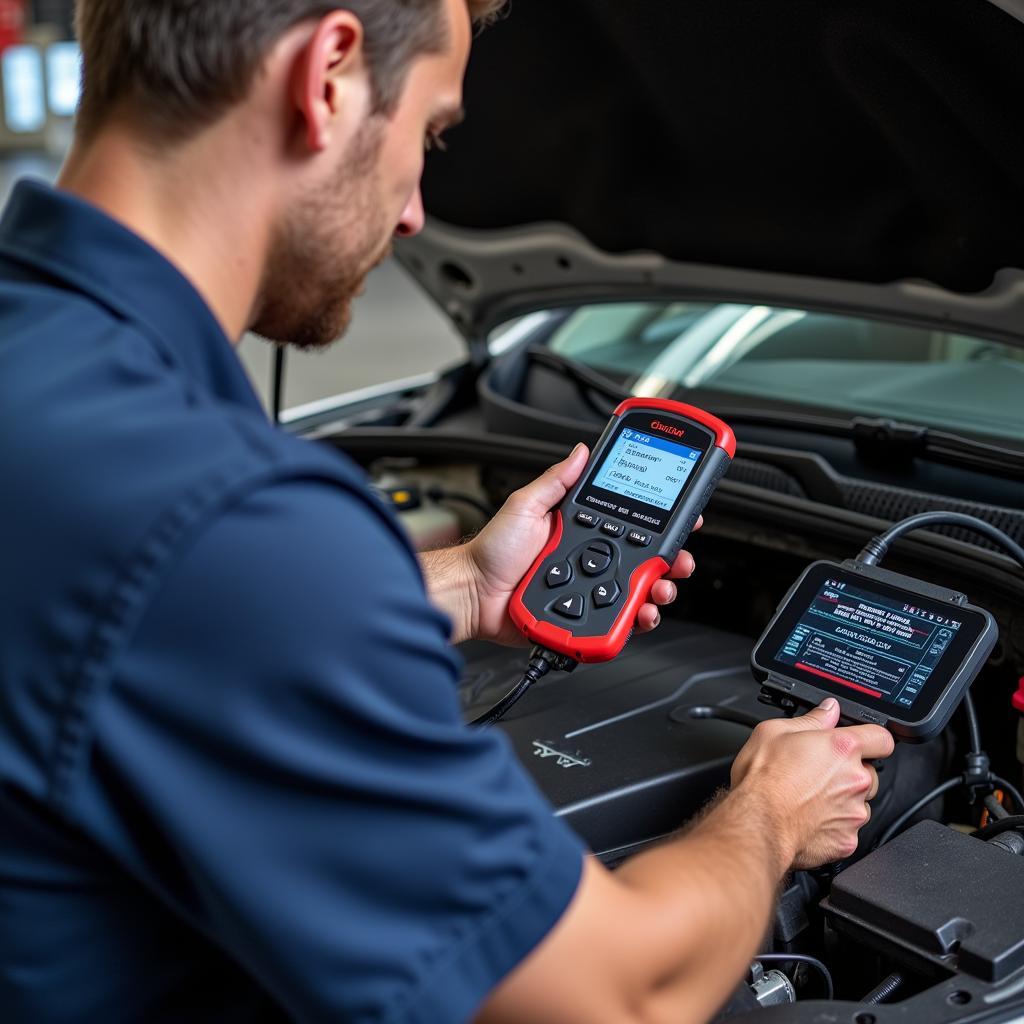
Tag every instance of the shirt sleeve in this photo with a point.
(281, 758)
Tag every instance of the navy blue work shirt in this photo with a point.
(234, 781)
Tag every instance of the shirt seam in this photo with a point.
(137, 583)
(22, 252)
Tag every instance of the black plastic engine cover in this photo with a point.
(600, 741)
(938, 897)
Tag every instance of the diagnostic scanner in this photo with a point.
(894, 650)
(618, 531)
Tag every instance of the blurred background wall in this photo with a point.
(396, 331)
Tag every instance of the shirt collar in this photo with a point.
(69, 239)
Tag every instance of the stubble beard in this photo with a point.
(322, 252)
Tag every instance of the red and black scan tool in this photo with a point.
(649, 477)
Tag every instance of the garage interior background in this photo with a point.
(396, 332)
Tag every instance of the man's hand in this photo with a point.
(474, 583)
(670, 933)
(816, 778)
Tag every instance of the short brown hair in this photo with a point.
(180, 64)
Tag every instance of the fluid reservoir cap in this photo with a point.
(1018, 697)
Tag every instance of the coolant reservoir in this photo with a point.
(430, 526)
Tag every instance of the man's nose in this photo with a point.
(413, 218)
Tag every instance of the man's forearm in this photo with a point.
(451, 586)
(667, 937)
(712, 890)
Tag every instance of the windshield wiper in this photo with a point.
(589, 383)
(876, 439)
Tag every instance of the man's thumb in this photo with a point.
(551, 487)
(824, 716)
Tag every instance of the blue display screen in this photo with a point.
(646, 468)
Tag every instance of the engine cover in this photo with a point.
(610, 744)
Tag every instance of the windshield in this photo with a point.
(853, 365)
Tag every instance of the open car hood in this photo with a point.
(851, 155)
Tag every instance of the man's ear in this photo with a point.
(329, 81)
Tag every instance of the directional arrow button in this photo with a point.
(570, 605)
(594, 561)
(559, 574)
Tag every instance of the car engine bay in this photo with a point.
(923, 926)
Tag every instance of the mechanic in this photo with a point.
(234, 780)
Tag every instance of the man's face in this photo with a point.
(335, 232)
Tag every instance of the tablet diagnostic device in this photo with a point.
(894, 650)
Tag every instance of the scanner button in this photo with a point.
(606, 594)
(587, 519)
(612, 529)
(639, 538)
(559, 574)
(570, 605)
(594, 561)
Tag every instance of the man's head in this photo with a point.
(336, 99)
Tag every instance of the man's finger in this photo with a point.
(664, 592)
(875, 741)
(647, 618)
(824, 716)
(873, 788)
(683, 567)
